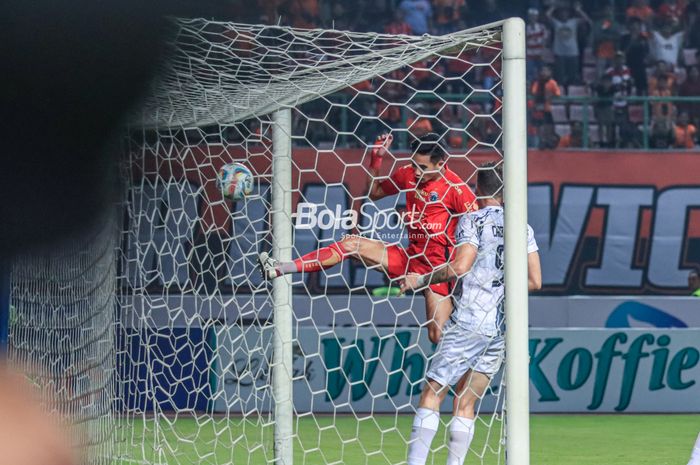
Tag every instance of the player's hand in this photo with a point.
(411, 282)
(379, 149)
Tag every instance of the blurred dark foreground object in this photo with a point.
(70, 72)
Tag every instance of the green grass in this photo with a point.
(381, 440)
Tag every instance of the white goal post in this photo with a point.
(191, 356)
(515, 260)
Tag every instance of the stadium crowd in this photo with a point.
(591, 64)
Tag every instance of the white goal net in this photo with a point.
(61, 331)
(212, 363)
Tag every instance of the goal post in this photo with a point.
(282, 229)
(515, 260)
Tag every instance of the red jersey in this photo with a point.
(432, 207)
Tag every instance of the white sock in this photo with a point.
(695, 456)
(461, 434)
(425, 425)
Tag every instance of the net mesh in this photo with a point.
(226, 72)
(61, 332)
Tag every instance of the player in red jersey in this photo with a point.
(435, 196)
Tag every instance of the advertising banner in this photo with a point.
(352, 310)
(614, 312)
(606, 222)
(382, 370)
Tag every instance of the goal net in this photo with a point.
(199, 358)
(61, 331)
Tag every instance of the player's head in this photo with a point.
(489, 182)
(428, 156)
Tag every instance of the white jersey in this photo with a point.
(479, 307)
(666, 49)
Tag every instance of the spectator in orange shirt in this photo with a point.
(661, 73)
(543, 90)
(684, 133)
(641, 10)
(574, 139)
(662, 109)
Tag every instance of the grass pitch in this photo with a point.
(381, 440)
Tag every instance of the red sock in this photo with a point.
(321, 259)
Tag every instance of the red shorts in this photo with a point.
(401, 263)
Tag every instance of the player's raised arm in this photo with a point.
(380, 149)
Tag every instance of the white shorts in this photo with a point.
(461, 350)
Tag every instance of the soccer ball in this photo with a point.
(235, 181)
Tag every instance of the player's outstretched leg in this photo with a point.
(370, 251)
(695, 456)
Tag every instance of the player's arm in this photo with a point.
(380, 148)
(464, 257)
(534, 272)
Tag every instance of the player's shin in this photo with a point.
(425, 425)
(461, 434)
(317, 260)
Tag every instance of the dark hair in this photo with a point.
(489, 179)
(430, 144)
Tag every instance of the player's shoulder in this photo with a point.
(482, 215)
(451, 177)
(452, 180)
(472, 219)
(404, 176)
(404, 171)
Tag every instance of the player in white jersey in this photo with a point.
(472, 347)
